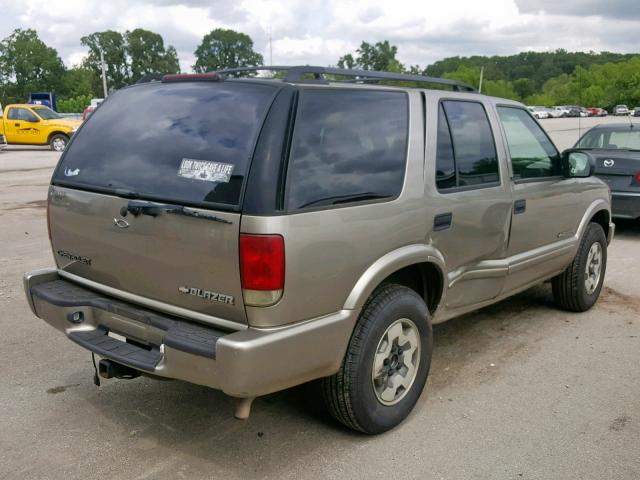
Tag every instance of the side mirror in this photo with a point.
(577, 163)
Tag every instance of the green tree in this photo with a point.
(471, 76)
(80, 81)
(535, 67)
(114, 48)
(147, 54)
(524, 87)
(380, 56)
(27, 64)
(499, 88)
(73, 104)
(465, 74)
(223, 48)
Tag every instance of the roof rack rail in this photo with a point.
(295, 74)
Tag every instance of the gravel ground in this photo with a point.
(518, 390)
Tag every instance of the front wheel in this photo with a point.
(577, 288)
(386, 365)
(58, 142)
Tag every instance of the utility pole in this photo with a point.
(481, 77)
(104, 74)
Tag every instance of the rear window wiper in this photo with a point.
(337, 199)
(141, 207)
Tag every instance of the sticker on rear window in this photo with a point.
(205, 170)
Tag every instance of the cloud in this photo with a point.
(624, 9)
(320, 31)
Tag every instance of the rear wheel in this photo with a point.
(58, 142)
(386, 365)
(577, 289)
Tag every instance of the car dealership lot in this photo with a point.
(517, 390)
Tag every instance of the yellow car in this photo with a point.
(36, 125)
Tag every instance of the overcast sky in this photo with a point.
(319, 32)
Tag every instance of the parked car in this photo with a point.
(636, 112)
(621, 110)
(564, 111)
(616, 149)
(597, 112)
(323, 250)
(574, 112)
(553, 113)
(92, 106)
(36, 125)
(538, 112)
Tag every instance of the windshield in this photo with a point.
(627, 139)
(184, 142)
(46, 113)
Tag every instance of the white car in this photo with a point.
(621, 110)
(538, 112)
(553, 113)
(564, 111)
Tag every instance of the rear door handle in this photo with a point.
(16, 124)
(442, 221)
(519, 206)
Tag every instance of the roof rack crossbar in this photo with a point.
(296, 73)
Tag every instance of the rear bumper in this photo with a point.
(246, 363)
(625, 205)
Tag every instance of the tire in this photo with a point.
(575, 289)
(58, 142)
(352, 395)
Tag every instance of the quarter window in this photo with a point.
(466, 152)
(348, 146)
(532, 153)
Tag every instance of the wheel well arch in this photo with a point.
(417, 266)
(602, 218)
(424, 278)
(57, 132)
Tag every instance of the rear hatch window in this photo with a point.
(186, 142)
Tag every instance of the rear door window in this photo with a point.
(186, 142)
(465, 140)
(348, 146)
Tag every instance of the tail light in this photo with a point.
(261, 269)
(637, 177)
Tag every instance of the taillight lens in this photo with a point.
(637, 177)
(262, 268)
